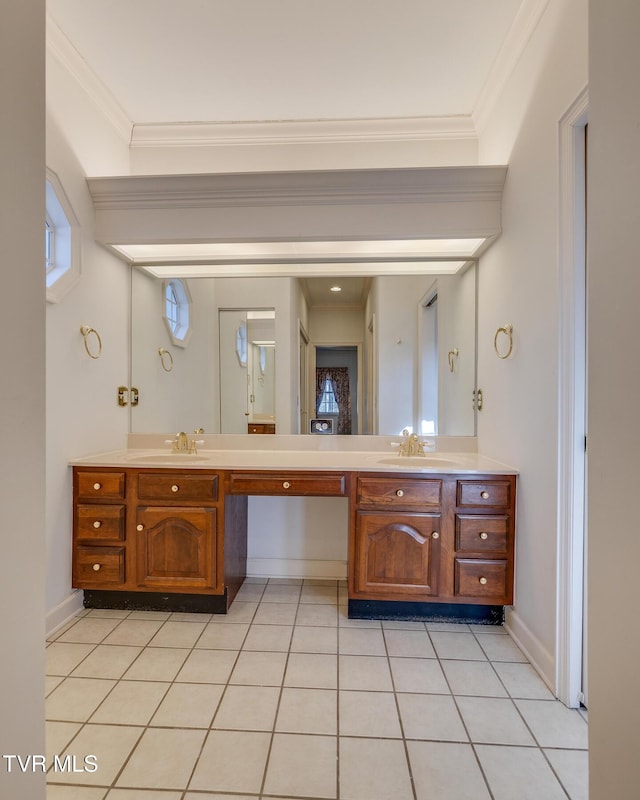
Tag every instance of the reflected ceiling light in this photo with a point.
(319, 269)
(335, 289)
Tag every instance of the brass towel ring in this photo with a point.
(85, 330)
(508, 331)
(453, 354)
(166, 359)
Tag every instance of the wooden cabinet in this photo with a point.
(164, 534)
(484, 541)
(162, 531)
(397, 554)
(433, 539)
(261, 427)
(99, 529)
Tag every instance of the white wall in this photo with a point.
(22, 395)
(186, 397)
(519, 285)
(614, 388)
(82, 412)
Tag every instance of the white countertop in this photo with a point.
(279, 459)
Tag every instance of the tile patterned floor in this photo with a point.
(285, 697)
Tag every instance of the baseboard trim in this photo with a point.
(63, 612)
(296, 568)
(539, 657)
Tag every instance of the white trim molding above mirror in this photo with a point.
(423, 227)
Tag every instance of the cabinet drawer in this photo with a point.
(398, 492)
(100, 485)
(477, 533)
(177, 486)
(481, 578)
(100, 523)
(99, 565)
(261, 427)
(484, 493)
(281, 483)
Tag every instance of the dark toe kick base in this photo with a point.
(156, 601)
(426, 612)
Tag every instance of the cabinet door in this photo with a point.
(176, 548)
(397, 555)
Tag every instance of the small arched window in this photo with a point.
(177, 311)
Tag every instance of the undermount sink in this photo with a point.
(419, 461)
(170, 458)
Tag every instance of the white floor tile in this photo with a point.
(572, 768)
(312, 671)
(208, 666)
(162, 759)
(431, 716)
(369, 714)
(418, 675)
(157, 664)
(521, 680)
(232, 761)
(367, 673)
(188, 705)
(409, 643)
(308, 711)
(111, 744)
(374, 768)
(446, 771)
(107, 661)
(248, 708)
(473, 678)
(519, 772)
(302, 766)
(457, 645)
(553, 724)
(494, 721)
(77, 698)
(131, 703)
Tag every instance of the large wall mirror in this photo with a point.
(366, 355)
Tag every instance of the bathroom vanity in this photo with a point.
(431, 537)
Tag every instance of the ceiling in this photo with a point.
(198, 61)
(189, 63)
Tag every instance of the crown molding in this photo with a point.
(65, 53)
(526, 21)
(317, 187)
(294, 132)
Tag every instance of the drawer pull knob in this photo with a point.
(435, 535)
(286, 485)
(400, 493)
(140, 527)
(175, 487)
(97, 524)
(484, 535)
(96, 567)
(483, 581)
(97, 486)
(484, 495)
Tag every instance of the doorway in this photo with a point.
(571, 627)
(343, 360)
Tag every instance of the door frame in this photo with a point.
(571, 520)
